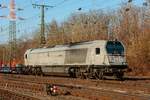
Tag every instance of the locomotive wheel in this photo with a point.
(76, 73)
(119, 75)
(99, 75)
(80, 75)
(89, 76)
(90, 73)
(38, 71)
(72, 72)
(83, 76)
(33, 71)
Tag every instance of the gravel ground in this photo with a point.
(132, 88)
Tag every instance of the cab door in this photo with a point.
(99, 56)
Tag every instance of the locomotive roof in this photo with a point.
(68, 46)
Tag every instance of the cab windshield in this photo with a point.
(114, 47)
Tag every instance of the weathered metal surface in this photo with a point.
(76, 56)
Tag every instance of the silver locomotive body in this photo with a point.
(94, 58)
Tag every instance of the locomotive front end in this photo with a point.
(116, 53)
(116, 57)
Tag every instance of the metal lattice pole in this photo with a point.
(12, 41)
(42, 35)
(12, 32)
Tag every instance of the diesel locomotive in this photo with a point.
(92, 59)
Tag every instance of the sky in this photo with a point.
(60, 12)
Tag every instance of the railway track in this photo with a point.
(129, 84)
(91, 89)
(7, 95)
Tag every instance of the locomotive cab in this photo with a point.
(115, 53)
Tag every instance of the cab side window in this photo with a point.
(26, 56)
(97, 51)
